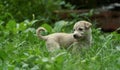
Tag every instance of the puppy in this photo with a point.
(55, 41)
(83, 34)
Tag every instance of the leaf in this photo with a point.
(33, 21)
(45, 59)
(47, 27)
(35, 68)
(59, 25)
(32, 30)
(11, 26)
(3, 54)
(22, 26)
(1, 27)
(60, 57)
(30, 23)
(25, 65)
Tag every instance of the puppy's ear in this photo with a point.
(88, 25)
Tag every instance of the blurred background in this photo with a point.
(48, 11)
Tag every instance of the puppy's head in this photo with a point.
(81, 29)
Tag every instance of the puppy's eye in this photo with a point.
(80, 29)
(73, 29)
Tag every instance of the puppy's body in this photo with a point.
(57, 40)
(81, 37)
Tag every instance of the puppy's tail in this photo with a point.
(38, 32)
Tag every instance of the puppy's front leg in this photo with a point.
(52, 45)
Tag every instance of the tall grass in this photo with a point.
(20, 49)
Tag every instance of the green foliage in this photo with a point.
(47, 26)
(21, 49)
(59, 25)
(33, 9)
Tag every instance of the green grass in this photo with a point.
(20, 49)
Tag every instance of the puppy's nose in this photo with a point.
(75, 36)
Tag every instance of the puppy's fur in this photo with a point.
(82, 36)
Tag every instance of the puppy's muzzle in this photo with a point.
(76, 36)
